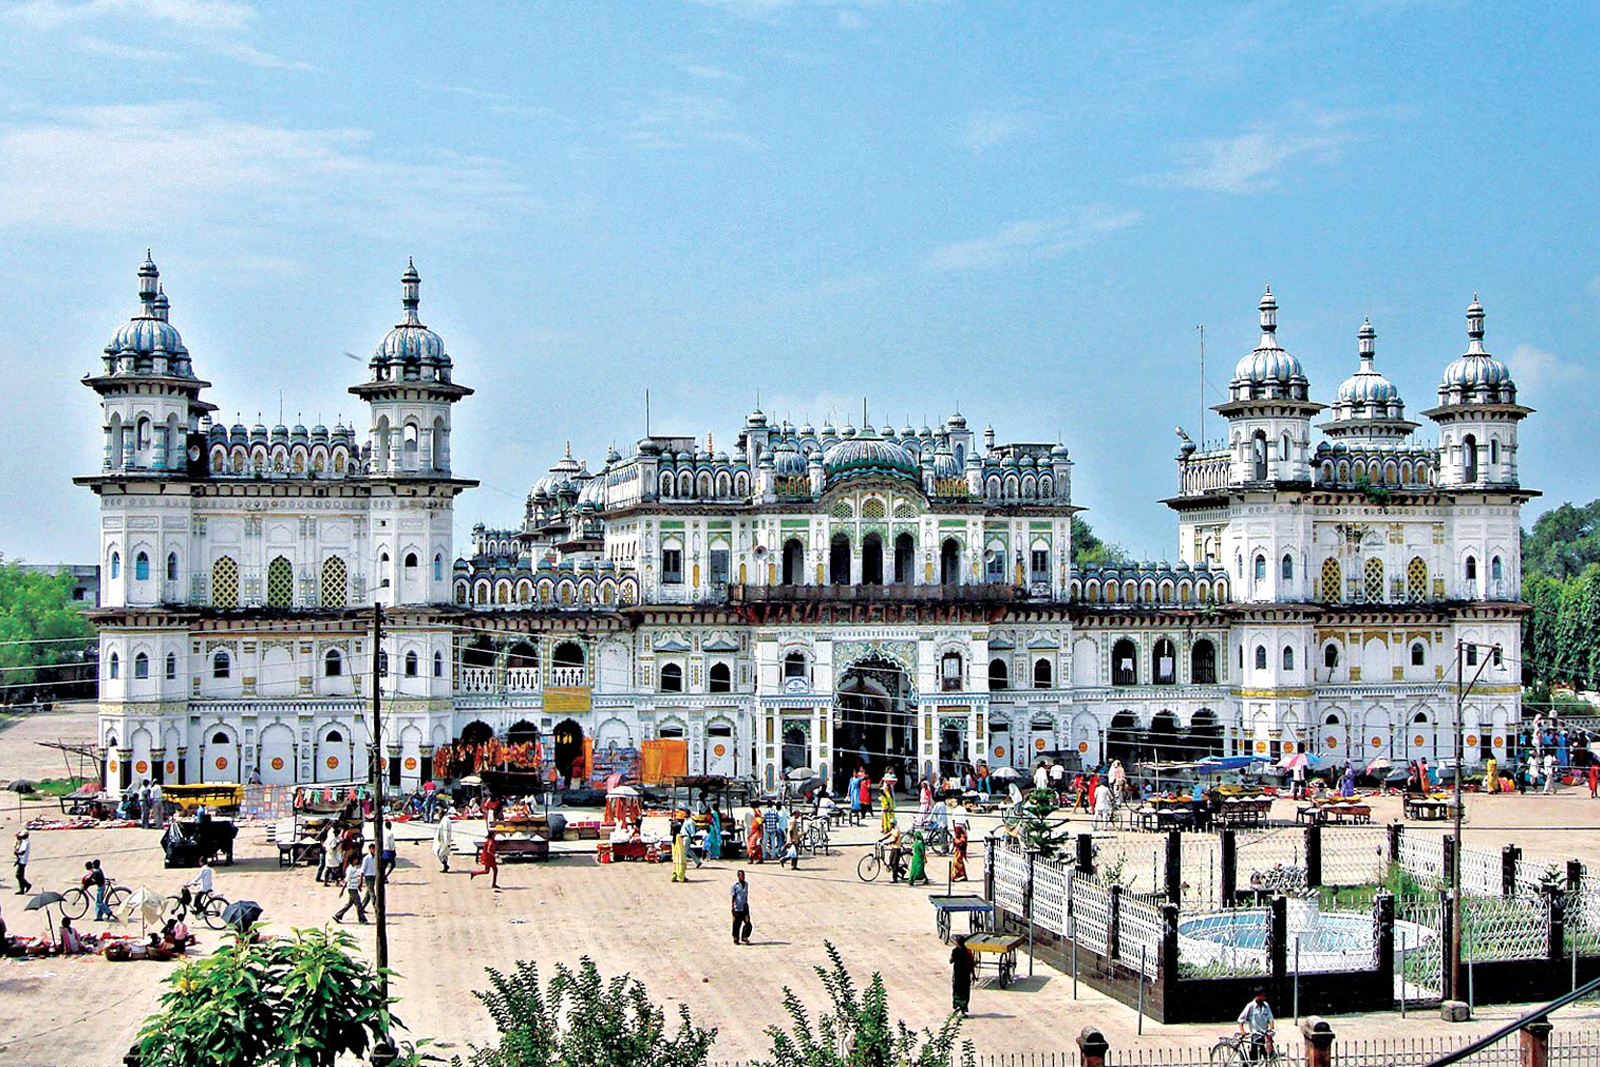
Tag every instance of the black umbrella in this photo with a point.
(242, 914)
(42, 902)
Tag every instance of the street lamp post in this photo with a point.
(1463, 688)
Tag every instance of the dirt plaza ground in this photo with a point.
(446, 929)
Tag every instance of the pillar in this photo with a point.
(1169, 943)
(1319, 1041)
(1314, 856)
(1114, 924)
(1092, 1047)
(1230, 868)
(1174, 885)
(1395, 831)
(1534, 1040)
(1278, 941)
(1509, 855)
(1086, 855)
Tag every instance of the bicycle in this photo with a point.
(938, 840)
(815, 838)
(1235, 1050)
(75, 902)
(872, 864)
(206, 906)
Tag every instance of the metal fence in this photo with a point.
(1091, 914)
(1137, 861)
(1139, 934)
(1201, 858)
(1264, 855)
(1504, 929)
(1481, 872)
(1423, 857)
(1354, 855)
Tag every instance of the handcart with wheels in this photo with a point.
(1000, 949)
(977, 909)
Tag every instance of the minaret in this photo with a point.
(1269, 410)
(1477, 416)
(1368, 408)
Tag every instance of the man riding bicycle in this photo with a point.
(197, 890)
(1255, 1022)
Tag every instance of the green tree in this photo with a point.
(1038, 828)
(299, 1001)
(1087, 548)
(1563, 541)
(857, 1031)
(43, 637)
(582, 1020)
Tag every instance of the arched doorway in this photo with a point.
(334, 756)
(476, 732)
(875, 723)
(1165, 740)
(569, 751)
(796, 747)
(276, 758)
(904, 559)
(793, 562)
(872, 560)
(522, 732)
(1123, 738)
(839, 560)
(949, 562)
(1205, 734)
(567, 665)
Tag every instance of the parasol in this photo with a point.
(1223, 764)
(1379, 763)
(799, 774)
(147, 903)
(1299, 759)
(1004, 773)
(42, 901)
(622, 791)
(242, 914)
(472, 779)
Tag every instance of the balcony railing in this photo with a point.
(984, 593)
(518, 679)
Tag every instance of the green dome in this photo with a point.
(867, 453)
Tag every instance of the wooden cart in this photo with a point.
(998, 949)
(977, 909)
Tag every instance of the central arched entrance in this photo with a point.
(569, 750)
(874, 722)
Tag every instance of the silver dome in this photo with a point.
(148, 335)
(1366, 394)
(410, 341)
(1269, 365)
(1476, 377)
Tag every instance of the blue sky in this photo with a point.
(1025, 208)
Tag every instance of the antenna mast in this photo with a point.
(1202, 435)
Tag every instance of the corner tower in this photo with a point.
(409, 395)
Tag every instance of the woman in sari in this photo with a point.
(958, 853)
(888, 806)
(714, 838)
(752, 843)
(918, 874)
(924, 803)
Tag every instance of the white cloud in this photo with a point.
(1250, 161)
(672, 119)
(216, 26)
(989, 127)
(1538, 369)
(204, 16)
(1032, 240)
(850, 20)
(128, 167)
(708, 72)
(95, 46)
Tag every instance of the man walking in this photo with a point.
(158, 808)
(1549, 772)
(97, 878)
(144, 804)
(740, 894)
(369, 874)
(19, 855)
(352, 893)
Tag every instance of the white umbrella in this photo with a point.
(147, 903)
(623, 791)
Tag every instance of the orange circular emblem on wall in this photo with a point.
(1083, 746)
(1332, 742)
(1472, 739)
(1377, 742)
(222, 763)
(1499, 741)
(999, 753)
(333, 763)
(141, 766)
(411, 763)
(1417, 741)
(719, 750)
(112, 765)
(1038, 744)
(172, 768)
(1288, 746)
(277, 763)
(1261, 746)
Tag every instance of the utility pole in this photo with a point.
(1202, 424)
(1463, 687)
(377, 764)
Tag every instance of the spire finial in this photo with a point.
(1366, 343)
(1269, 312)
(410, 291)
(148, 280)
(1475, 327)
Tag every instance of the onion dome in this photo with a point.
(298, 432)
(887, 432)
(147, 343)
(1268, 371)
(867, 453)
(925, 431)
(319, 432)
(848, 432)
(1366, 394)
(907, 431)
(1476, 377)
(956, 421)
(787, 461)
(410, 343)
(647, 447)
(593, 494)
(756, 418)
(944, 462)
(808, 430)
(1059, 452)
(828, 430)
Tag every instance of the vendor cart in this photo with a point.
(998, 951)
(698, 795)
(219, 798)
(976, 908)
(525, 838)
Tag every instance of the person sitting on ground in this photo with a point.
(177, 932)
(71, 944)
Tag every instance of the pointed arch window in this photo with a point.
(221, 665)
(411, 664)
(1288, 657)
(172, 566)
(1417, 579)
(1261, 657)
(116, 565)
(1373, 587)
(141, 666)
(1042, 674)
(1286, 568)
(113, 667)
(172, 667)
(225, 583)
(280, 583)
(141, 567)
(332, 664)
(335, 583)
